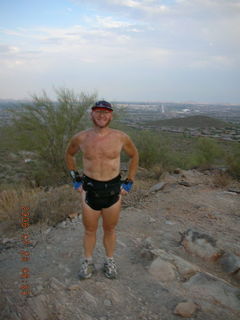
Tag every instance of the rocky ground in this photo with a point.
(178, 253)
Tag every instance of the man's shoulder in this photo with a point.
(119, 133)
(82, 134)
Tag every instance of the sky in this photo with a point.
(122, 50)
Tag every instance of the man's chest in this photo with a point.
(101, 147)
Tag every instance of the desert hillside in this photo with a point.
(198, 121)
(178, 254)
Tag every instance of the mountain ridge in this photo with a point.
(198, 121)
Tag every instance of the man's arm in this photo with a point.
(72, 149)
(131, 151)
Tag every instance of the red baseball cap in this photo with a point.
(102, 105)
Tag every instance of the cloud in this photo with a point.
(212, 62)
(110, 23)
(6, 50)
(148, 41)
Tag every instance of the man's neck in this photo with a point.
(101, 131)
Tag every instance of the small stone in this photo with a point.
(107, 303)
(62, 224)
(47, 231)
(6, 240)
(75, 286)
(72, 216)
(237, 275)
(36, 290)
(89, 299)
(171, 223)
(177, 171)
(230, 263)
(147, 254)
(157, 187)
(186, 309)
(56, 284)
(148, 243)
(184, 183)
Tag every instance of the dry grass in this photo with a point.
(50, 207)
(134, 199)
(11, 202)
(222, 179)
(137, 196)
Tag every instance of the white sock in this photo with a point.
(109, 258)
(89, 259)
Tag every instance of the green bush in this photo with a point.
(153, 150)
(207, 153)
(44, 127)
(233, 162)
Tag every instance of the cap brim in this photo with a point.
(102, 108)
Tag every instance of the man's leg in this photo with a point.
(110, 219)
(90, 219)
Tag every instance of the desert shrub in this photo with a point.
(206, 153)
(233, 162)
(221, 179)
(153, 150)
(44, 127)
(157, 171)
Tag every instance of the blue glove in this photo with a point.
(77, 179)
(127, 185)
(77, 184)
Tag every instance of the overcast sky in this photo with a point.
(128, 50)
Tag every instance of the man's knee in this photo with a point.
(90, 231)
(109, 229)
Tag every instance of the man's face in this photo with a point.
(101, 118)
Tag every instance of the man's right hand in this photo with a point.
(77, 180)
(77, 185)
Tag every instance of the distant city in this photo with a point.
(167, 110)
(141, 114)
(153, 115)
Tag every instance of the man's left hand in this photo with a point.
(126, 186)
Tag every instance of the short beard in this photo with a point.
(97, 125)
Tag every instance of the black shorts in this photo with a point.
(101, 194)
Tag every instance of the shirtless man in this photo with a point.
(101, 186)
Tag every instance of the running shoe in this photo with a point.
(87, 269)
(110, 269)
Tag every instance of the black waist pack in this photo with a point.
(102, 189)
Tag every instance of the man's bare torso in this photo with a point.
(101, 153)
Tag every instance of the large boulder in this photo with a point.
(210, 289)
(162, 270)
(201, 245)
